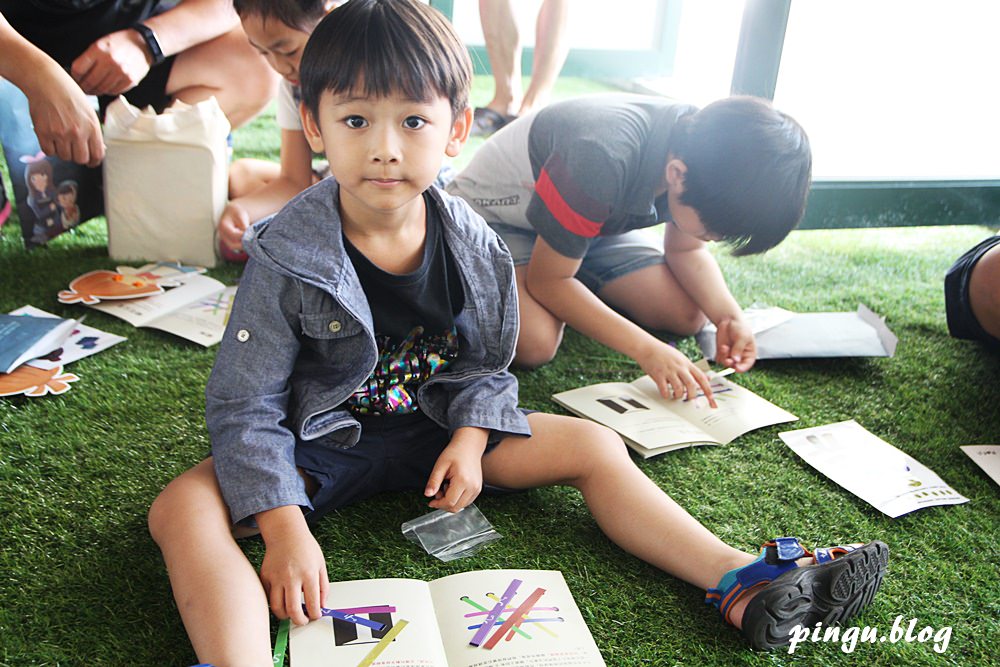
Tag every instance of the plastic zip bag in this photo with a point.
(449, 536)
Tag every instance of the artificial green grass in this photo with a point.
(83, 584)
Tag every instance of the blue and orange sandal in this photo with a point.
(840, 583)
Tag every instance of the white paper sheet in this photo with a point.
(870, 468)
(781, 334)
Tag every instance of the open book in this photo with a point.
(197, 310)
(514, 618)
(652, 425)
(26, 337)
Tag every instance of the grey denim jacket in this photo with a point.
(300, 340)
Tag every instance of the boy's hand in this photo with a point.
(735, 345)
(674, 374)
(293, 565)
(457, 477)
(232, 224)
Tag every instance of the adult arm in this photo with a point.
(295, 176)
(119, 60)
(64, 119)
(552, 282)
(700, 276)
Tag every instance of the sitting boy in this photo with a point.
(367, 351)
(570, 187)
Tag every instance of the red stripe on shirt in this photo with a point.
(562, 211)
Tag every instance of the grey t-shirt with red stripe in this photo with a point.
(577, 169)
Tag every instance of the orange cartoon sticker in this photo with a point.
(99, 285)
(32, 381)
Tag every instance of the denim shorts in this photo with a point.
(394, 453)
(608, 257)
(962, 322)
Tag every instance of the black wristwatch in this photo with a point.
(149, 37)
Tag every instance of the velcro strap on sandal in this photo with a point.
(826, 554)
(789, 548)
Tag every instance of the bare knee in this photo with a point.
(535, 347)
(598, 449)
(191, 498)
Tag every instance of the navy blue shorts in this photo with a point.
(962, 322)
(394, 453)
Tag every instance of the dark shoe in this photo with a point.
(841, 582)
(486, 121)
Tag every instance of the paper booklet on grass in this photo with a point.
(782, 334)
(487, 618)
(651, 425)
(198, 310)
(888, 479)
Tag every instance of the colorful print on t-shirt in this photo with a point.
(391, 389)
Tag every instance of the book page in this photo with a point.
(141, 312)
(330, 642)
(740, 410)
(203, 321)
(642, 417)
(870, 468)
(540, 625)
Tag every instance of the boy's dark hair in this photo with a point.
(380, 47)
(298, 14)
(748, 171)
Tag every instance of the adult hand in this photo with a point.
(232, 224)
(457, 476)
(113, 64)
(294, 567)
(674, 374)
(64, 119)
(735, 345)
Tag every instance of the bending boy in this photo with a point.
(367, 351)
(570, 187)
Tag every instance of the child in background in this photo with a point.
(278, 29)
(367, 351)
(570, 187)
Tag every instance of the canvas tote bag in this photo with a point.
(165, 181)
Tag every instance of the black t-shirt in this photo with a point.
(63, 29)
(414, 316)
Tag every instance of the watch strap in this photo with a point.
(149, 37)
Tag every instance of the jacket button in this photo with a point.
(243, 335)
(334, 326)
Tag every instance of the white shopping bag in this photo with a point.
(165, 181)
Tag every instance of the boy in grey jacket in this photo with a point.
(368, 350)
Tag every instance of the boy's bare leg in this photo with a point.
(540, 331)
(217, 590)
(628, 506)
(652, 298)
(248, 175)
(228, 68)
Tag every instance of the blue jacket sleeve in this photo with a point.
(248, 393)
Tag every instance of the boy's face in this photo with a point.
(384, 151)
(280, 44)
